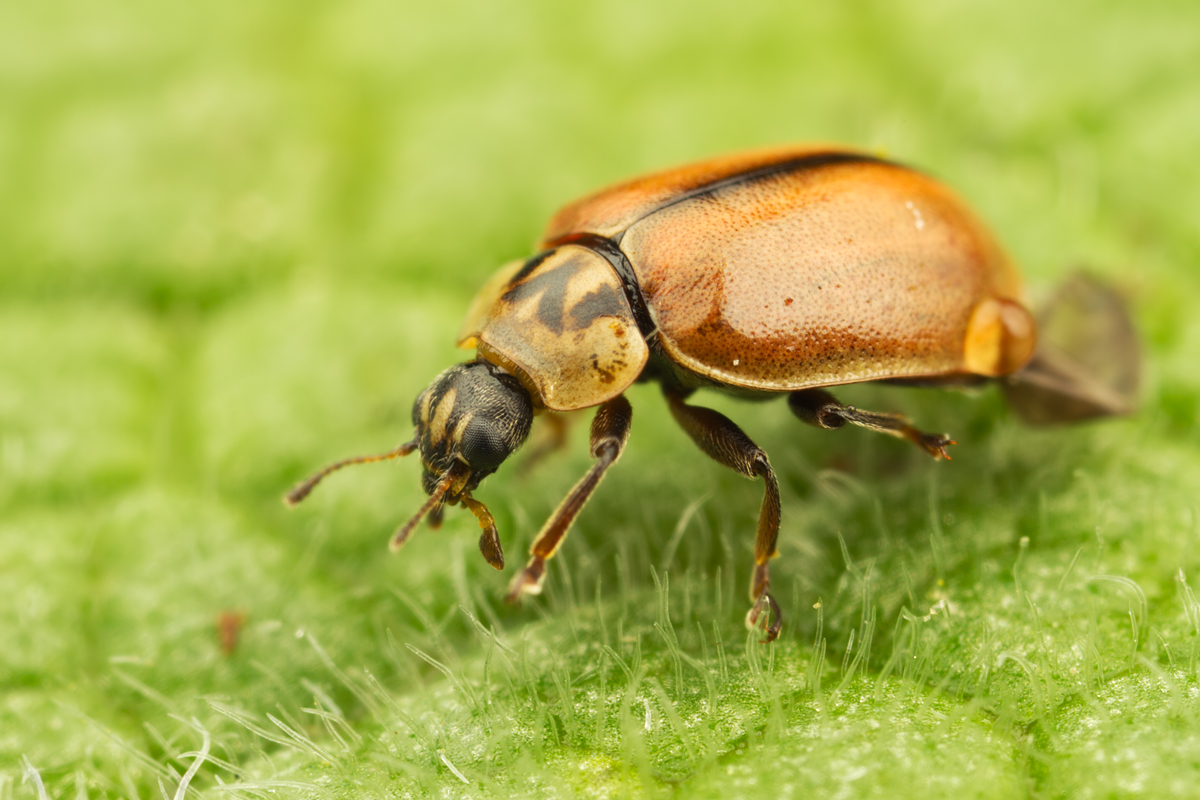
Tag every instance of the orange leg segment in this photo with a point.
(610, 431)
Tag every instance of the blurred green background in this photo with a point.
(236, 239)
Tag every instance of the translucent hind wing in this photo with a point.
(1088, 359)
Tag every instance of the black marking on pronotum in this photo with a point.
(599, 302)
(550, 287)
(616, 257)
(529, 266)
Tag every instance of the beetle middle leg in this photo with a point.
(818, 407)
(610, 431)
(724, 442)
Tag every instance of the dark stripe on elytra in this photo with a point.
(616, 257)
(610, 248)
(811, 161)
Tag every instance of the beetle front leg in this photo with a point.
(610, 431)
(818, 407)
(727, 444)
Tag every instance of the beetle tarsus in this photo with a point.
(934, 443)
(760, 586)
(774, 622)
(528, 580)
(724, 442)
(761, 581)
(820, 408)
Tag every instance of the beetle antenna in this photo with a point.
(301, 490)
(435, 500)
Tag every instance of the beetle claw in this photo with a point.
(774, 622)
(935, 444)
(528, 580)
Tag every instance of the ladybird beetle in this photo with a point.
(783, 271)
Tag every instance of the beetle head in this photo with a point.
(470, 419)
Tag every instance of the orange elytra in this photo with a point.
(780, 271)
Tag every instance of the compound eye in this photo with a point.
(484, 445)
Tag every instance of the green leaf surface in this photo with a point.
(238, 239)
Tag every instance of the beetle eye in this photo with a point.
(484, 446)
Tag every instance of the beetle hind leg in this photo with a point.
(724, 442)
(819, 408)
